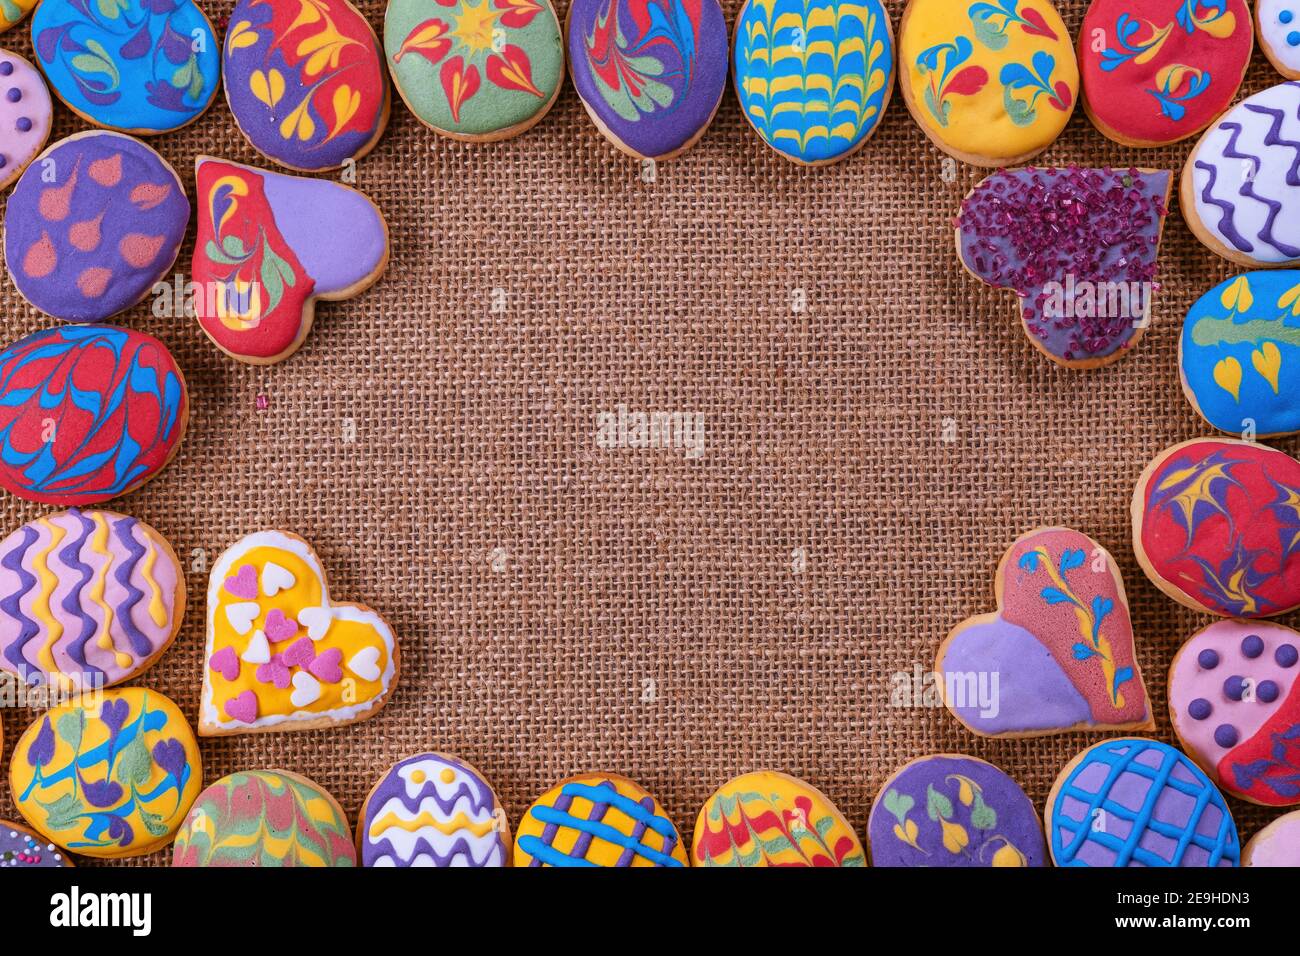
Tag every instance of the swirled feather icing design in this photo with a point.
(87, 413)
(87, 599)
(813, 77)
(13, 11)
(433, 811)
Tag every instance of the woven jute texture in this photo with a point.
(877, 431)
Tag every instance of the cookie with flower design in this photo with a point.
(305, 80)
(475, 70)
(950, 810)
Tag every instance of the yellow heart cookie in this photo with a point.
(280, 655)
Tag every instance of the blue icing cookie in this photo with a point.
(1241, 354)
(814, 77)
(139, 66)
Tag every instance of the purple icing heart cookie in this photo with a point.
(25, 113)
(93, 223)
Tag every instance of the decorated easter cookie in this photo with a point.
(139, 66)
(1278, 844)
(1138, 802)
(814, 78)
(25, 114)
(87, 599)
(1060, 645)
(1158, 71)
(281, 655)
(649, 72)
(478, 70)
(991, 82)
(264, 818)
(1216, 526)
(107, 775)
(20, 848)
(1239, 190)
(87, 413)
(1240, 354)
(1278, 25)
(305, 80)
(92, 225)
(954, 811)
(433, 810)
(597, 819)
(269, 246)
(767, 818)
(1078, 246)
(13, 11)
(1235, 705)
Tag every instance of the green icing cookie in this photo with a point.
(475, 69)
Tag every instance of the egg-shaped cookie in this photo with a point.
(25, 116)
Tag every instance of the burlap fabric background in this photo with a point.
(564, 607)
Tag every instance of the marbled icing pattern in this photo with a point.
(436, 811)
(87, 599)
(93, 223)
(25, 114)
(1138, 802)
(13, 11)
(1278, 844)
(264, 818)
(20, 848)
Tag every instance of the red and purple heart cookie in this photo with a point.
(1057, 655)
(1235, 705)
(25, 114)
(1078, 246)
(92, 225)
(1216, 526)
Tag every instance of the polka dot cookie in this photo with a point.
(25, 112)
(1278, 24)
(20, 848)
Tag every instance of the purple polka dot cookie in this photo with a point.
(25, 112)
(21, 848)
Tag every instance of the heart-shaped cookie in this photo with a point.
(1058, 653)
(269, 246)
(259, 677)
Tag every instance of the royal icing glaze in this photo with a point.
(1138, 802)
(87, 413)
(13, 11)
(87, 599)
(1078, 246)
(1278, 23)
(475, 69)
(25, 114)
(433, 810)
(1240, 181)
(140, 66)
(269, 246)
(1278, 844)
(814, 78)
(1235, 704)
(767, 818)
(107, 775)
(954, 811)
(1240, 354)
(992, 82)
(20, 848)
(264, 818)
(1060, 645)
(305, 80)
(291, 658)
(1159, 71)
(1216, 526)
(597, 820)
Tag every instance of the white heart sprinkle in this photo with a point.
(316, 620)
(241, 616)
(306, 689)
(258, 651)
(365, 663)
(276, 579)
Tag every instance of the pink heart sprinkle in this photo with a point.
(278, 627)
(243, 708)
(226, 663)
(243, 583)
(274, 671)
(300, 653)
(327, 666)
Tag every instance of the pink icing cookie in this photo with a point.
(1235, 704)
(25, 113)
(1278, 844)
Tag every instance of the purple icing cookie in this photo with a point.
(92, 225)
(21, 848)
(650, 72)
(954, 811)
(25, 113)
